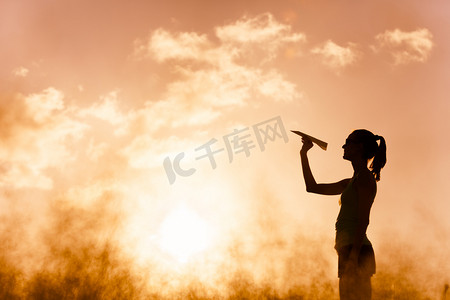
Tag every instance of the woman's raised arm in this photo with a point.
(311, 185)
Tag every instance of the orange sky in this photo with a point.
(94, 95)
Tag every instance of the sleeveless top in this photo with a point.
(347, 220)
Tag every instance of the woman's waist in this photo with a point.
(347, 237)
(346, 223)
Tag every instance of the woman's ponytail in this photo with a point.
(379, 160)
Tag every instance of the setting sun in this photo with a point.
(183, 233)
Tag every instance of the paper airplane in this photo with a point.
(319, 143)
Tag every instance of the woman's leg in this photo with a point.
(347, 286)
(365, 288)
(354, 287)
(356, 284)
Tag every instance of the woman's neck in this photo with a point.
(358, 166)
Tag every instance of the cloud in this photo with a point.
(273, 85)
(335, 56)
(262, 29)
(42, 106)
(21, 72)
(162, 45)
(214, 75)
(107, 109)
(406, 47)
(36, 134)
(96, 150)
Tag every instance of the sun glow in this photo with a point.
(183, 233)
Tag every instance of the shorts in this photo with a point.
(366, 260)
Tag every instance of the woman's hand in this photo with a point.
(307, 144)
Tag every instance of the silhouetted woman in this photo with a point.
(356, 262)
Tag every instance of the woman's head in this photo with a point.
(365, 143)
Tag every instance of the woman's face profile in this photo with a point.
(352, 147)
